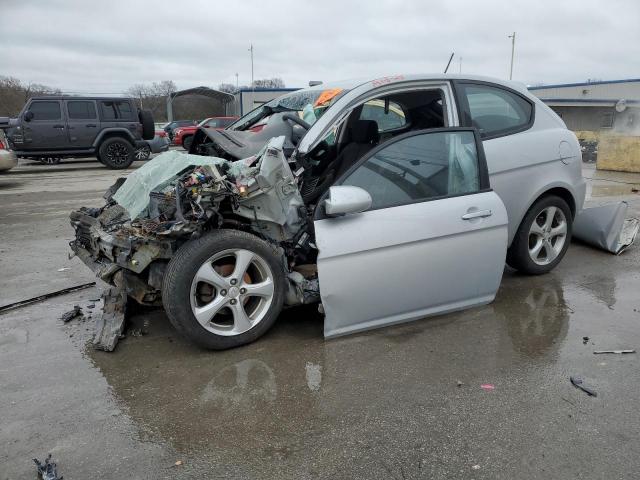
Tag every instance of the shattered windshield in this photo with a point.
(310, 105)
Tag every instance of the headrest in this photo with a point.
(365, 131)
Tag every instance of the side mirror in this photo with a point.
(28, 116)
(345, 199)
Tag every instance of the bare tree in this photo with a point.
(14, 94)
(275, 82)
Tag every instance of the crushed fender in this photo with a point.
(110, 324)
(47, 470)
(605, 227)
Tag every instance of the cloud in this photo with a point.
(105, 47)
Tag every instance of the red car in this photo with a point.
(184, 135)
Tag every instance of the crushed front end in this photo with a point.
(178, 197)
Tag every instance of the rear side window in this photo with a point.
(420, 167)
(116, 110)
(45, 110)
(392, 119)
(79, 110)
(495, 111)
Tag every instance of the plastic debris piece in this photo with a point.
(600, 352)
(605, 227)
(47, 470)
(487, 386)
(64, 269)
(459, 383)
(475, 467)
(71, 314)
(578, 383)
(178, 463)
(585, 340)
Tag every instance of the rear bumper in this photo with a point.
(8, 160)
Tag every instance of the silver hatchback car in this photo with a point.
(387, 200)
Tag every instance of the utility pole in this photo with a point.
(237, 88)
(513, 49)
(253, 88)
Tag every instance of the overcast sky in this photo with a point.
(107, 46)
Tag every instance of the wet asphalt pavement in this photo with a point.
(398, 403)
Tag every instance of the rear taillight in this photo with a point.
(2, 147)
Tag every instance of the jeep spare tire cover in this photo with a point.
(148, 128)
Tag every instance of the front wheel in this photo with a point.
(224, 289)
(542, 238)
(143, 153)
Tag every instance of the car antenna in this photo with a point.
(449, 63)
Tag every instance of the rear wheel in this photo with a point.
(224, 289)
(186, 142)
(116, 153)
(542, 238)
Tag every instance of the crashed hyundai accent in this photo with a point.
(385, 200)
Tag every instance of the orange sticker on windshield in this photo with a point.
(327, 96)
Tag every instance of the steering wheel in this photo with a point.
(295, 119)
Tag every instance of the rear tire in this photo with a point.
(542, 238)
(234, 305)
(186, 142)
(116, 153)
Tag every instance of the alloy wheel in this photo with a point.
(232, 291)
(117, 153)
(547, 235)
(143, 153)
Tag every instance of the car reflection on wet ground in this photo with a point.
(400, 402)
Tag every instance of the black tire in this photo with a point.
(143, 153)
(518, 256)
(180, 273)
(116, 153)
(186, 142)
(148, 127)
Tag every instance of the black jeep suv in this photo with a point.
(50, 128)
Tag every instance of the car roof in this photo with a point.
(356, 82)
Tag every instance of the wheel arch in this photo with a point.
(559, 189)
(111, 133)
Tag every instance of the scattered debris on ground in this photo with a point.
(40, 298)
(487, 386)
(579, 383)
(64, 269)
(600, 352)
(47, 470)
(110, 324)
(585, 340)
(71, 314)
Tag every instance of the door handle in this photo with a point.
(478, 214)
(58, 126)
(91, 125)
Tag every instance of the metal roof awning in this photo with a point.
(205, 91)
(222, 97)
